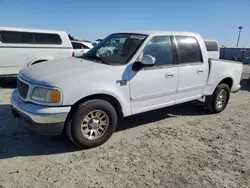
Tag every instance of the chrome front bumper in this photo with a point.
(43, 119)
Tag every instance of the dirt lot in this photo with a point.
(180, 146)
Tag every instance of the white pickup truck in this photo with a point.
(151, 70)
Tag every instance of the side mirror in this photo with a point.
(148, 60)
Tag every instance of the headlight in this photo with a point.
(46, 95)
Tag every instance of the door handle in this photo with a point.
(199, 71)
(169, 75)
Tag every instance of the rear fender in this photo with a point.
(214, 82)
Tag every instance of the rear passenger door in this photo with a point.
(193, 70)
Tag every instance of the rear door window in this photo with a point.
(76, 45)
(84, 46)
(189, 50)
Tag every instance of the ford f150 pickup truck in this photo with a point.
(150, 70)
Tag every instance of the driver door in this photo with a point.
(155, 86)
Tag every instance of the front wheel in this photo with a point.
(217, 102)
(92, 123)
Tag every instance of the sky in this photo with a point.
(93, 19)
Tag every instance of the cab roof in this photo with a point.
(152, 32)
(29, 30)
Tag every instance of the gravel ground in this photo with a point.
(180, 146)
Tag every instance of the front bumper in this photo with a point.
(236, 89)
(43, 119)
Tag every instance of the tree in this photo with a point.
(71, 37)
(86, 40)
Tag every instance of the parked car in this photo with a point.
(109, 48)
(20, 48)
(81, 48)
(153, 70)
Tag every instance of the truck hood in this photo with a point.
(55, 71)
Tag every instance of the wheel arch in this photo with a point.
(210, 88)
(228, 81)
(109, 98)
(39, 60)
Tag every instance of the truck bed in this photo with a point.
(223, 69)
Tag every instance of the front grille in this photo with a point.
(22, 89)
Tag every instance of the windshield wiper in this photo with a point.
(102, 60)
(98, 59)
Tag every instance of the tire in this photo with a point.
(217, 102)
(79, 130)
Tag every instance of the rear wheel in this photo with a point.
(92, 123)
(217, 102)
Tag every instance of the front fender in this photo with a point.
(121, 95)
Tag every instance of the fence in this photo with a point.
(236, 54)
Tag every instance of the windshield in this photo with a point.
(116, 48)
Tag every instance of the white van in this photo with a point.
(23, 47)
(213, 49)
